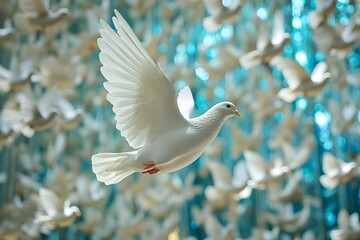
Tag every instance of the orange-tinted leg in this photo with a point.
(150, 168)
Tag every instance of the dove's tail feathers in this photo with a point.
(112, 168)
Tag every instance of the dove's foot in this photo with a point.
(150, 168)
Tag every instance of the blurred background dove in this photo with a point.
(35, 15)
(299, 81)
(220, 14)
(336, 171)
(267, 48)
(348, 226)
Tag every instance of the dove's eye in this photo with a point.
(228, 105)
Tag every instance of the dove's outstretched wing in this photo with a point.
(143, 99)
(294, 74)
(320, 72)
(50, 202)
(220, 174)
(186, 102)
(34, 6)
(256, 165)
(343, 220)
(330, 164)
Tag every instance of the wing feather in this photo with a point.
(50, 202)
(330, 164)
(294, 74)
(144, 101)
(256, 165)
(186, 102)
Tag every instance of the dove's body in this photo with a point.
(60, 220)
(184, 145)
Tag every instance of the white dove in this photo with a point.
(6, 34)
(265, 234)
(213, 228)
(296, 157)
(219, 14)
(261, 173)
(291, 192)
(58, 214)
(328, 40)
(287, 220)
(351, 31)
(349, 226)
(299, 81)
(225, 186)
(336, 171)
(266, 48)
(147, 113)
(343, 116)
(242, 142)
(324, 9)
(35, 16)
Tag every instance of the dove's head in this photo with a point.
(227, 109)
(65, 13)
(75, 210)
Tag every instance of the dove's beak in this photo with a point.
(237, 113)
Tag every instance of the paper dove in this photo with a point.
(336, 171)
(227, 58)
(93, 219)
(329, 41)
(288, 221)
(23, 115)
(147, 113)
(286, 129)
(225, 186)
(343, 116)
(137, 8)
(349, 226)
(261, 174)
(68, 117)
(15, 217)
(36, 16)
(324, 9)
(213, 227)
(57, 214)
(351, 31)
(295, 158)
(299, 81)
(16, 78)
(264, 234)
(214, 150)
(267, 102)
(6, 136)
(291, 192)
(92, 195)
(85, 41)
(6, 34)
(267, 48)
(302, 219)
(241, 142)
(62, 72)
(215, 73)
(219, 14)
